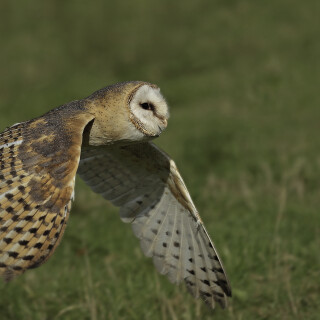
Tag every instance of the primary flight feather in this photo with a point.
(105, 138)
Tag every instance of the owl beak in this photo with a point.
(163, 125)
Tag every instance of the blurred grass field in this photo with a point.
(242, 79)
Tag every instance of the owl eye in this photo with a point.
(147, 106)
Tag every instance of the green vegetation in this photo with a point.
(242, 79)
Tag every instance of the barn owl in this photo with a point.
(106, 139)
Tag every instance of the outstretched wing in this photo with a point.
(146, 184)
(38, 163)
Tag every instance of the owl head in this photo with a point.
(129, 111)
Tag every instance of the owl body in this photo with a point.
(106, 139)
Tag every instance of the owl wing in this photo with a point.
(38, 163)
(146, 184)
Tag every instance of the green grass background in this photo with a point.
(242, 79)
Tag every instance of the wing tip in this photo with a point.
(225, 286)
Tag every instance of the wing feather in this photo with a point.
(145, 183)
(38, 163)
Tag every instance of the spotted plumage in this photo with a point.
(106, 138)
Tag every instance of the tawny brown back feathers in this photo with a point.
(39, 159)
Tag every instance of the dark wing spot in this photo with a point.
(7, 240)
(190, 283)
(9, 196)
(222, 282)
(217, 270)
(16, 268)
(221, 295)
(13, 173)
(18, 229)
(23, 242)
(30, 257)
(206, 294)
(191, 272)
(21, 188)
(13, 254)
(38, 245)
(206, 282)
(26, 207)
(9, 209)
(15, 218)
